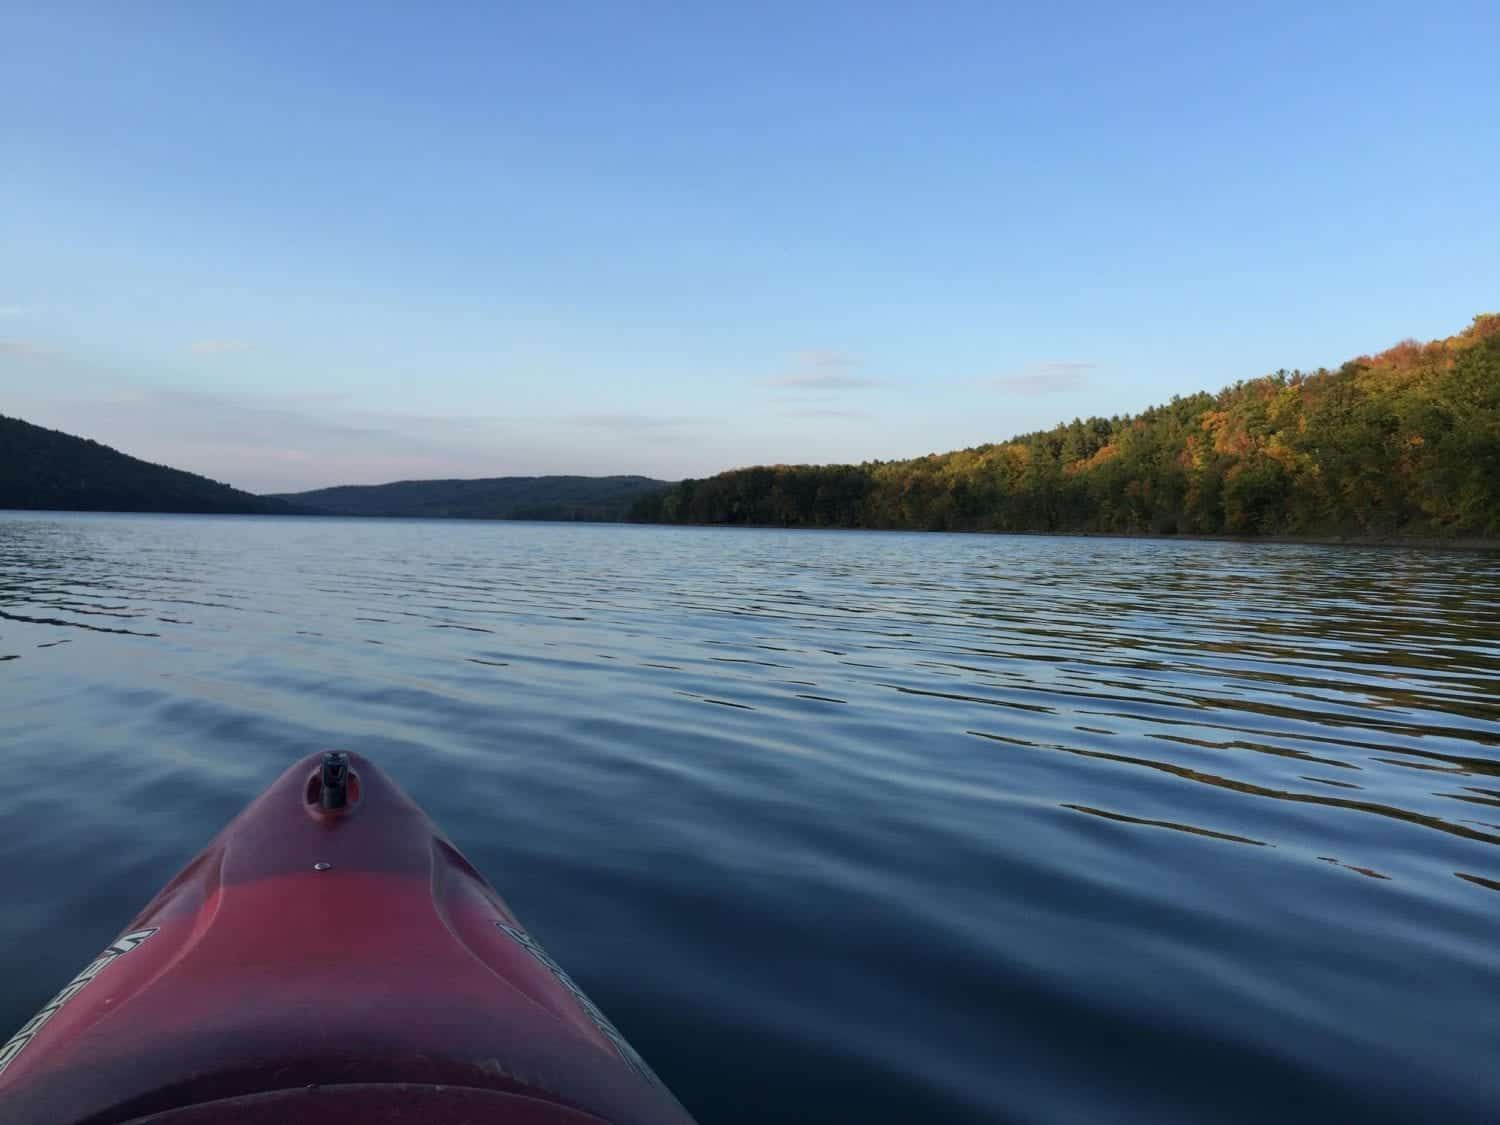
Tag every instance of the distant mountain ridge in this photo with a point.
(44, 469)
(50, 470)
(495, 498)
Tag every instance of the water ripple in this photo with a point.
(941, 828)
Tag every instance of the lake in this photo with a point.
(836, 826)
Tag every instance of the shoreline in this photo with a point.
(1425, 542)
(1421, 542)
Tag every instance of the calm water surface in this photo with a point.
(836, 826)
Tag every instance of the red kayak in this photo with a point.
(329, 957)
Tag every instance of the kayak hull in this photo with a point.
(310, 949)
(394, 1103)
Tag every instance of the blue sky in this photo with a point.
(290, 245)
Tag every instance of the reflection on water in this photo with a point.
(835, 826)
(1280, 794)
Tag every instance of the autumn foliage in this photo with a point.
(1404, 443)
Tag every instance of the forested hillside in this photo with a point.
(513, 498)
(41, 468)
(1406, 442)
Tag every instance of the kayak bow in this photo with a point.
(329, 957)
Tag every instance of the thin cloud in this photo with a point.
(220, 347)
(822, 381)
(630, 422)
(268, 441)
(1046, 377)
(12, 310)
(24, 349)
(823, 412)
(284, 443)
(819, 369)
(824, 358)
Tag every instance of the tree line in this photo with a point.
(1406, 442)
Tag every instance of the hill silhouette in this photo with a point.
(48, 469)
(504, 498)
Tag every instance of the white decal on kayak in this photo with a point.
(599, 1020)
(17, 1042)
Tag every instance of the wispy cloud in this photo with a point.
(1046, 377)
(630, 422)
(819, 369)
(219, 347)
(822, 381)
(289, 441)
(825, 357)
(277, 443)
(24, 349)
(12, 311)
(825, 412)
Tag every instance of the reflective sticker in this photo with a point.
(596, 1017)
(17, 1042)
